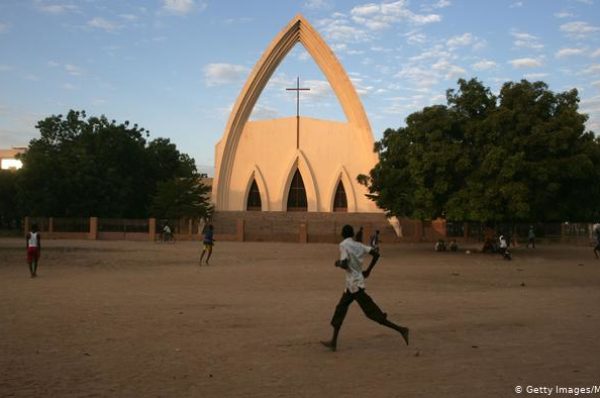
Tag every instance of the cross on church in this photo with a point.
(297, 89)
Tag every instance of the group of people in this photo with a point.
(440, 246)
(352, 254)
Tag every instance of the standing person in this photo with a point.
(351, 258)
(374, 241)
(596, 232)
(167, 233)
(503, 247)
(531, 237)
(33, 243)
(209, 242)
(359, 235)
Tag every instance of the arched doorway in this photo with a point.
(297, 194)
(254, 203)
(340, 202)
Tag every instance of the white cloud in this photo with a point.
(563, 14)
(466, 39)
(5, 68)
(261, 111)
(73, 70)
(319, 90)
(535, 76)
(182, 6)
(418, 76)
(383, 15)
(317, 4)
(578, 29)
(596, 84)
(517, 4)
(415, 38)
(592, 70)
(339, 30)
(595, 53)
(588, 2)
(101, 23)
(442, 4)
(3, 27)
(568, 52)
(436, 51)
(222, 73)
(55, 8)
(449, 70)
(69, 86)
(484, 65)
(128, 17)
(526, 40)
(525, 63)
(463, 40)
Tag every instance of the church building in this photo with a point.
(295, 164)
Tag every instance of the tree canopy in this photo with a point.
(95, 167)
(521, 156)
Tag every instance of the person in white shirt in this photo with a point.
(503, 248)
(33, 242)
(351, 257)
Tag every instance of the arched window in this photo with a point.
(297, 195)
(340, 203)
(254, 203)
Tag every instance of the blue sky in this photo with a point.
(176, 67)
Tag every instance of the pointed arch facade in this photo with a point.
(300, 164)
(257, 178)
(297, 31)
(342, 176)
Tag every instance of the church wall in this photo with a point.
(267, 151)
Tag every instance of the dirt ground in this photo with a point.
(141, 319)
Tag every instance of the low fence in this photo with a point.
(304, 227)
(94, 228)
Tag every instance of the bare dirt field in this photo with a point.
(140, 319)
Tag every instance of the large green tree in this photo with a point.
(9, 212)
(181, 197)
(95, 167)
(524, 155)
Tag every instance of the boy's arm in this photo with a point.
(374, 259)
(39, 242)
(27, 240)
(343, 261)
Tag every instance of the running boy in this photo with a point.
(351, 257)
(33, 243)
(209, 242)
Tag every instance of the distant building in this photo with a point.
(8, 158)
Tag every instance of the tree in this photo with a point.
(524, 155)
(95, 167)
(9, 212)
(181, 198)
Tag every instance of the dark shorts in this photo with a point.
(597, 247)
(33, 254)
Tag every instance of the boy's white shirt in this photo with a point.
(355, 252)
(33, 239)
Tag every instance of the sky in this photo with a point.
(176, 67)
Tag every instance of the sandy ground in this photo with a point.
(141, 319)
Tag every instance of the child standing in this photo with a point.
(209, 242)
(33, 243)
